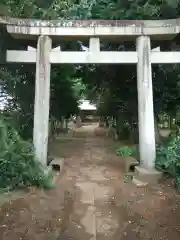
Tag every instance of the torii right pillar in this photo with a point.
(146, 172)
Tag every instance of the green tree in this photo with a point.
(119, 80)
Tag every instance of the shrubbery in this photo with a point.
(167, 156)
(18, 166)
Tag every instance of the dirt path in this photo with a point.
(92, 202)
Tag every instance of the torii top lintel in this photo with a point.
(157, 29)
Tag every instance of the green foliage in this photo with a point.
(168, 158)
(19, 84)
(64, 98)
(124, 151)
(18, 166)
(128, 151)
(114, 87)
(53, 125)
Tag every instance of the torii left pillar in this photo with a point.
(42, 98)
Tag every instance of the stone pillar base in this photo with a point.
(143, 177)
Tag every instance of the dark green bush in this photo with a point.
(18, 166)
(168, 158)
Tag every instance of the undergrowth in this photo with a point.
(18, 166)
(128, 151)
(167, 156)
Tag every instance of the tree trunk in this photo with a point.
(66, 123)
(156, 129)
(106, 122)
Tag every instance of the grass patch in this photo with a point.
(128, 151)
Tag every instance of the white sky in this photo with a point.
(86, 105)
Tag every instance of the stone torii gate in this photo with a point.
(140, 31)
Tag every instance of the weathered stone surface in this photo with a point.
(147, 176)
(42, 94)
(102, 57)
(89, 23)
(165, 29)
(147, 148)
